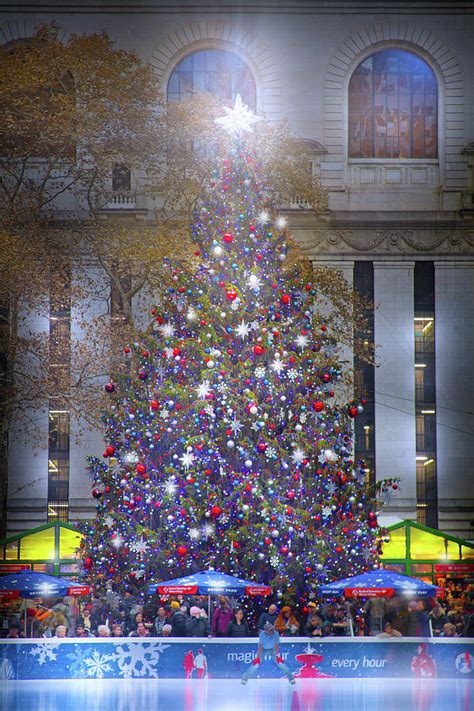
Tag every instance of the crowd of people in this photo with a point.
(128, 616)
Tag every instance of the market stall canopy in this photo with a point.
(29, 584)
(379, 583)
(209, 582)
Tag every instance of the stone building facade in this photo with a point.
(400, 223)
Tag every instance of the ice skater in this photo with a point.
(269, 647)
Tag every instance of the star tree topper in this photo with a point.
(237, 120)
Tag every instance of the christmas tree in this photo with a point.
(225, 446)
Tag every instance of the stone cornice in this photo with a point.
(387, 241)
(313, 7)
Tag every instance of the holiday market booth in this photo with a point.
(428, 554)
(50, 549)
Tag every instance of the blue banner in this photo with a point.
(227, 659)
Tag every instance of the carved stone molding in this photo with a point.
(390, 241)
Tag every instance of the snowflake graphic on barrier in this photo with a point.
(45, 651)
(97, 664)
(6, 670)
(78, 657)
(138, 659)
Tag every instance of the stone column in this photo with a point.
(395, 431)
(454, 343)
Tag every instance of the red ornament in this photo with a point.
(285, 299)
(145, 354)
(284, 550)
(261, 446)
(326, 378)
(318, 406)
(267, 541)
(181, 551)
(258, 350)
(231, 295)
(228, 237)
(126, 350)
(88, 562)
(109, 388)
(216, 511)
(290, 495)
(176, 351)
(142, 375)
(140, 469)
(352, 412)
(154, 404)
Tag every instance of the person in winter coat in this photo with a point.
(223, 616)
(269, 615)
(197, 626)
(238, 627)
(286, 623)
(178, 622)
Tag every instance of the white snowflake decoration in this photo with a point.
(292, 374)
(139, 547)
(274, 561)
(109, 521)
(270, 453)
(164, 413)
(260, 372)
(326, 511)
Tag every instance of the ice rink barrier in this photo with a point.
(172, 658)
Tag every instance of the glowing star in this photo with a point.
(254, 282)
(117, 541)
(203, 390)
(298, 456)
(263, 217)
(187, 459)
(207, 530)
(302, 341)
(236, 426)
(277, 365)
(237, 120)
(167, 329)
(170, 486)
(281, 222)
(243, 329)
(194, 534)
(191, 314)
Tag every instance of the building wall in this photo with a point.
(392, 212)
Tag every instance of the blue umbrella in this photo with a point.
(209, 582)
(27, 583)
(378, 583)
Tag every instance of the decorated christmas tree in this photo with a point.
(225, 446)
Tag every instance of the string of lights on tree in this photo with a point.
(225, 446)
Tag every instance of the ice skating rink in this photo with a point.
(229, 695)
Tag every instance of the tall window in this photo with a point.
(393, 107)
(425, 394)
(216, 71)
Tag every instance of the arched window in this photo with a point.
(216, 71)
(393, 107)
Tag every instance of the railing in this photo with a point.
(121, 201)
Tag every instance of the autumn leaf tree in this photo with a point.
(78, 112)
